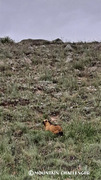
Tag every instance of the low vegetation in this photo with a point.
(58, 81)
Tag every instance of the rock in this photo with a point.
(2, 63)
(58, 95)
(57, 41)
(27, 60)
(92, 69)
(34, 41)
(68, 59)
(68, 47)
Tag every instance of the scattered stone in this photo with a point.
(91, 89)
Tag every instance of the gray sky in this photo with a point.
(70, 20)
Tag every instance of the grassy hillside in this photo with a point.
(58, 81)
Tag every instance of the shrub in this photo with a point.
(6, 40)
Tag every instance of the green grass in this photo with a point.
(49, 87)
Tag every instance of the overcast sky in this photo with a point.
(70, 20)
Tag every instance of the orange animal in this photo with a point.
(56, 129)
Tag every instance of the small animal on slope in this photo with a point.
(56, 129)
